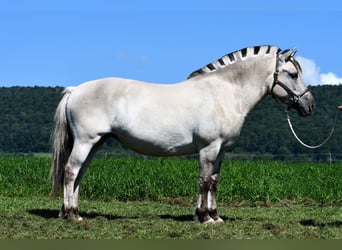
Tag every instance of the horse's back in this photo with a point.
(150, 118)
(108, 93)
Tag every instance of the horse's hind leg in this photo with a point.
(77, 163)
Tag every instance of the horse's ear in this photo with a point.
(287, 54)
(294, 51)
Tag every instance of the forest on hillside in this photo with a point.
(26, 122)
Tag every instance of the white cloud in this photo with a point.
(313, 76)
(331, 79)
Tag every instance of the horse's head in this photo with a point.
(288, 86)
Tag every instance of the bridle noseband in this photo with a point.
(295, 97)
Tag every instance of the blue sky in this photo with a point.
(63, 43)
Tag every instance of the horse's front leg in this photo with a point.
(213, 187)
(202, 209)
(212, 198)
(210, 164)
(208, 156)
(206, 210)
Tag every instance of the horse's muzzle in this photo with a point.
(305, 105)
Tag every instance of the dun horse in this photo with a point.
(203, 114)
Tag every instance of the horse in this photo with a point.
(201, 115)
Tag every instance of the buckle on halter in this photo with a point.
(275, 75)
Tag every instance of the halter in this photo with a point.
(296, 97)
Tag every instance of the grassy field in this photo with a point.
(35, 218)
(136, 198)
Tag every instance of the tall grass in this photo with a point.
(157, 179)
(24, 176)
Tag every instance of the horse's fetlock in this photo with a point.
(213, 213)
(202, 215)
(69, 213)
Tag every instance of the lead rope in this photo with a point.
(309, 146)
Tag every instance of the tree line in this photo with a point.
(26, 123)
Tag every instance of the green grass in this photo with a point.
(149, 199)
(130, 179)
(28, 218)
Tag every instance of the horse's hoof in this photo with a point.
(70, 214)
(210, 221)
(213, 221)
(218, 220)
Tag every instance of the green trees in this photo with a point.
(26, 122)
(26, 118)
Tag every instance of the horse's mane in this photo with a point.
(234, 57)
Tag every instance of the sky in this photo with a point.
(65, 43)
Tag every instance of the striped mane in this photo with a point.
(234, 57)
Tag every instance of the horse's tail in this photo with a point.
(62, 143)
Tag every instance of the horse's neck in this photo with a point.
(251, 95)
(250, 85)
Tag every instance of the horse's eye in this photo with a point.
(293, 75)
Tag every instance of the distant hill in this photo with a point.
(26, 118)
(26, 121)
